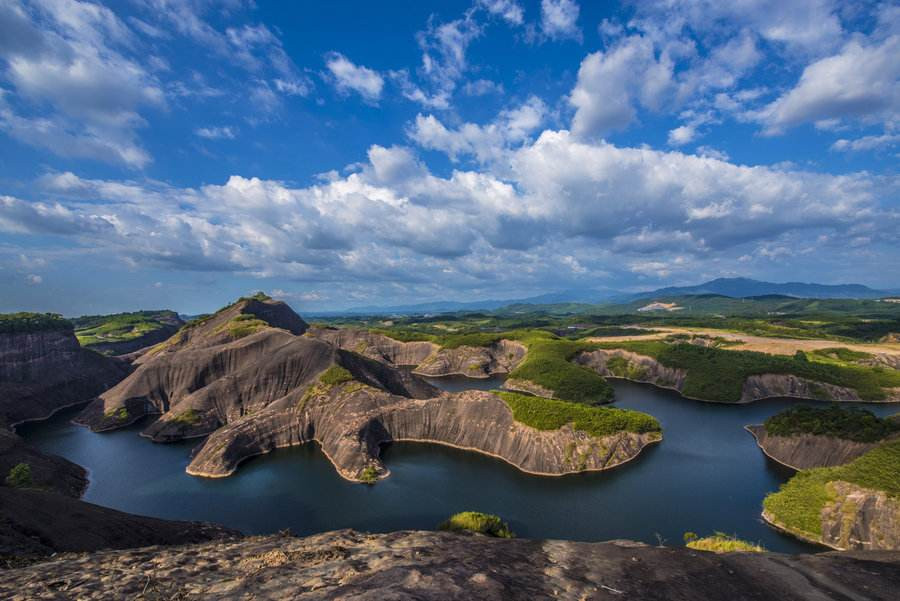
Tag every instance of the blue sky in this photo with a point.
(179, 153)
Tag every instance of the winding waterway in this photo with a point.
(706, 475)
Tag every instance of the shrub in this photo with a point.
(549, 414)
(549, 364)
(368, 474)
(482, 523)
(721, 543)
(19, 476)
(335, 375)
(855, 424)
(13, 323)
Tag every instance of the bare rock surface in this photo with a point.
(638, 368)
(376, 346)
(424, 566)
(805, 451)
(786, 385)
(40, 522)
(44, 371)
(860, 518)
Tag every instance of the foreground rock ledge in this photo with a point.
(433, 565)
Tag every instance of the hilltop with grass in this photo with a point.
(122, 333)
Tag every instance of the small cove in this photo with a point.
(706, 475)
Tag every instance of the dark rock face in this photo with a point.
(41, 372)
(805, 451)
(47, 471)
(38, 522)
(426, 566)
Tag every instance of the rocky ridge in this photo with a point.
(805, 451)
(424, 566)
(252, 390)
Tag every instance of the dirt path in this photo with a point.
(747, 342)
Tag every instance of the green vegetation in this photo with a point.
(798, 504)
(720, 543)
(121, 327)
(850, 424)
(368, 474)
(16, 323)
(719, 375)
(335, 375)
(549, 365)
(19, 476)
(188, 418)
(549, 414)
(242, 325)
(121, 413)
(474, 521)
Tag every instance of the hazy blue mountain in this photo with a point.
(745, 287)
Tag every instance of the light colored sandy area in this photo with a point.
(775, 346)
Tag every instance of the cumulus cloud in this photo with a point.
(509, 10)
(563, 206)
(348, 76)
(861, 82)
(559, 19)
(33, 279)
(484, 142)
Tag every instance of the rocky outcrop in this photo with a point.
(428, 358)
(45, 370)
(474, 361)
(528, 387)
(620, 363)
(351, 422)
(860, 518)
(376, 346)
(805, 451)
(39, 522)
(786, 385)
(47, 471)
(426, 566)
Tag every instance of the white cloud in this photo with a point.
(559, 19)
(348, 76)
(486, 143)
(683, 134)
(509, 10)
(866, 143)
(862, 82)
(482, 87)
(216, 133)
(33, 279)
(560, 207)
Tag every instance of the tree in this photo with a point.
(19, 476)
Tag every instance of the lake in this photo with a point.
(707, 475)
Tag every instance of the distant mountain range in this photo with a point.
(733, 287)
(745, 287)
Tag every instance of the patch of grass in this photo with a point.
(799, 502)
(19, 476)
(719, 374)
(722, 543)
(121, 327)
(23, 322)
(549, 414)
(244, 325)
(475, 521)
(189, 417)
(855, 424)
(121, 413)
(335, 375)
(841, 354)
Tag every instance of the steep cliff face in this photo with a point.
(639, 368)
(785, 385)
(805, 451)
(46, 370)
(351, 422)
(425, 566)
(428, 358)
(860, 518)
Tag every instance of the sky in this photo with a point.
(180, 153)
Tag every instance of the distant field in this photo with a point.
(98, 330)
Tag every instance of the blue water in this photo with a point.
(706, 475)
